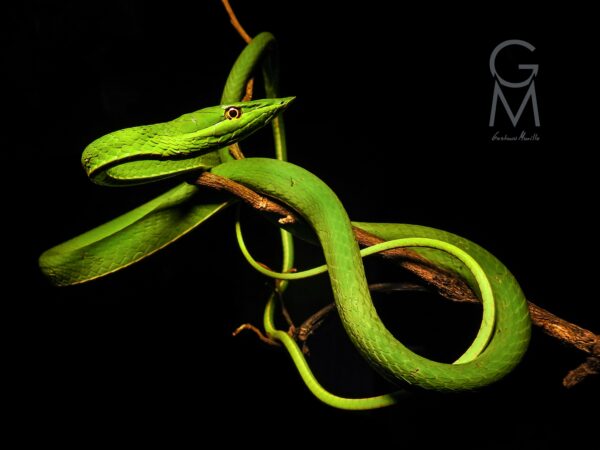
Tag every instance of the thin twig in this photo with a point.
(591, 366)
(259, 334)
(388, 288)
(236, 24)
(284, 311)
(310, 325)
(249, 90)
(236, 151)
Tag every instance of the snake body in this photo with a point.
(322, 209)
(196, 142)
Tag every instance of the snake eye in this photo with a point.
(233, 112)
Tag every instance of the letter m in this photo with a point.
(514, 118)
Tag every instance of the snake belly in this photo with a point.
(319, 205)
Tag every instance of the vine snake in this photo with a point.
(198, 141)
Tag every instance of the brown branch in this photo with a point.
(249, 90)
(256, 201)
(446, 283)
(310, 325)
(236, 151)
(236, 24)
(554, 326)
(257, 332)
(574, 335)
(591, 366)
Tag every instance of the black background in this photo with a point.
(392, 112)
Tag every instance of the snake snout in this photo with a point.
(285, 102)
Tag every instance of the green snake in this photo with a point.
(199, 142)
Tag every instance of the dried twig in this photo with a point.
(256, 201)
(310, 325)
(573, 335)
(257, 332)
(591, 366)
(236, 23)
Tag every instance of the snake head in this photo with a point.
(150, 152)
